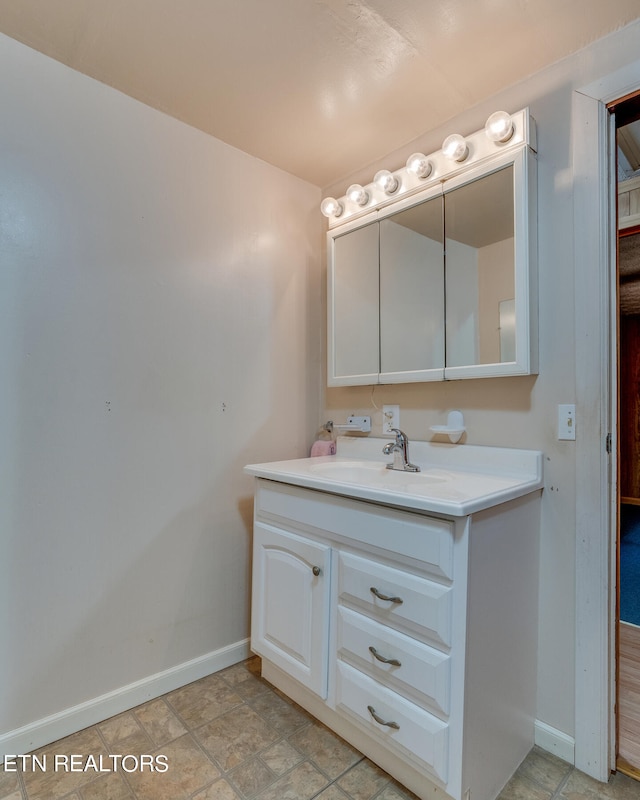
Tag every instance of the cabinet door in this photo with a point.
(354, 295)
(412, 294)
(490, 264)
(290, 604)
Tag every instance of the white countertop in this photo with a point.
(454, 479)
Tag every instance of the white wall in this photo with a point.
(522, 411)
(158, 330)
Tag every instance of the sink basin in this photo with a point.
(455, 480)
(376, 473)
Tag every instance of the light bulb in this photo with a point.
(419, 165)
(331, 207)
(358, 194)
(455, 147)
(386, 181)
(499, 127)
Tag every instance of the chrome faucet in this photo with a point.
(400, 450)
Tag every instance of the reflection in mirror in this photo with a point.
(480, 271)
(508, 330)
(412, 289)
(355, 302)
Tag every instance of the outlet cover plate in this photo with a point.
(390, 418)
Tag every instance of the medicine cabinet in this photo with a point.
(439, 283)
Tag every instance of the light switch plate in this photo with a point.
(567, 421)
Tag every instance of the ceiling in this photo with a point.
(319, 88)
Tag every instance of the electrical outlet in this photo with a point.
(390, 418)
(567, 422)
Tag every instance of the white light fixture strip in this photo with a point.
(502, 132)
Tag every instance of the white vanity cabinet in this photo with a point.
(416, 638)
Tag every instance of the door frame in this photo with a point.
(595, 184)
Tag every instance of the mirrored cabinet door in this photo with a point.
(480, 269)
(354, 298)
(412, 294)
(488, 287)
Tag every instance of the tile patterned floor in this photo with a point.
(231, 736)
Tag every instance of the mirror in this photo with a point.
(355, 303)
(480, 271)
(439, 285)
(412, 291)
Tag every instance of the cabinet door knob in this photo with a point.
(385, 597)
(393, 661)
(380, 721)
(316, 571)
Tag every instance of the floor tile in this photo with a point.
(622, 787)
(302, 783)
(363, 781)
(232, 736)
(327, 751)
(522, 788)
(220, 790)
(9, 782)
(284, 716)
(55, 783)
(251, 777)
(159, 722)
(189, 770)
(246, 682)
(281, 757)
(202, 701)
(236, 736)
(107, 787)
(124, 735)
(253, 687)
(581, 787)
(396, 792)
(544, 769)
(332, 793)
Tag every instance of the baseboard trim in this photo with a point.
(554, 741)
(57, 726)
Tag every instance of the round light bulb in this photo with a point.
(455, 147)
(358, 194)
(419, 165)
(386, 181)
(331, 207)
(499, 127)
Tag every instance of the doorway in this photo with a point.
(627, 123)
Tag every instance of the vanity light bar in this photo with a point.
(502, 132)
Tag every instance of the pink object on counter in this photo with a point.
(323, 448)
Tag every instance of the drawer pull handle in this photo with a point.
(386, 597)
(316, 571)
(380, 721)
(393, 661)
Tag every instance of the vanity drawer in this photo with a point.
(415, 605)
(416, 734)
(427, 539)
(420, 673)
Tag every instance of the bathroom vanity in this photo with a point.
(400, 609)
